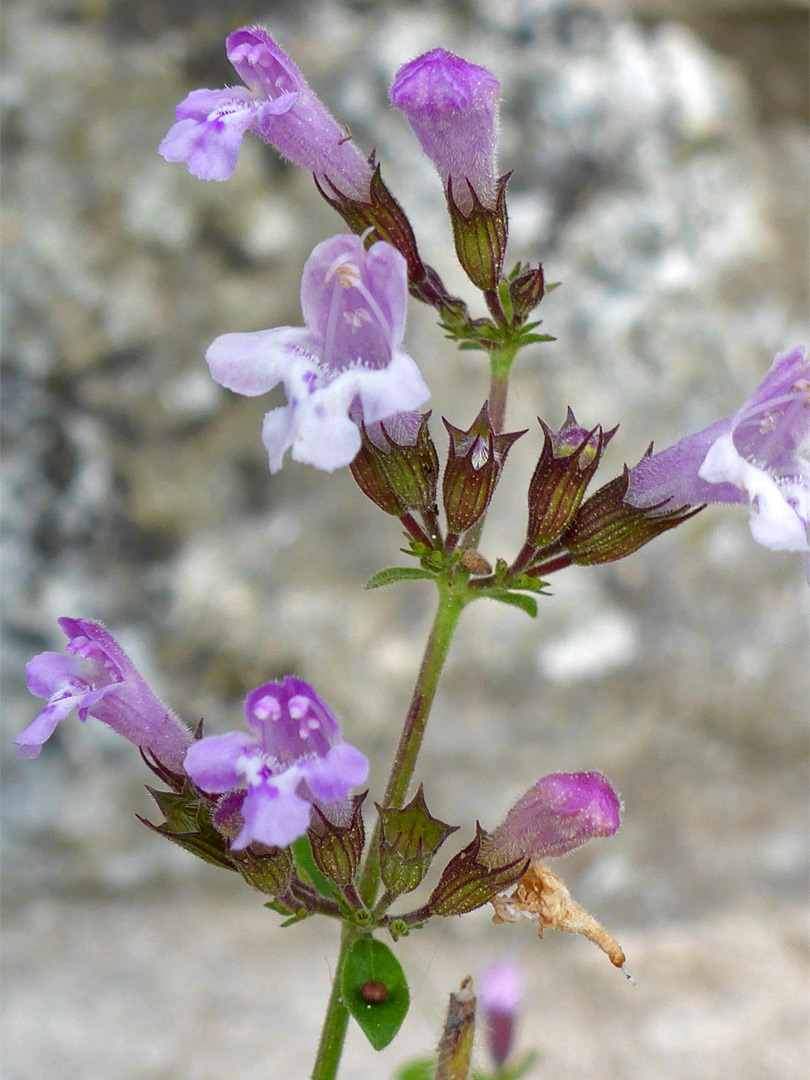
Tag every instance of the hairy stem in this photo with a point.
(451, 603)
(336, 1020)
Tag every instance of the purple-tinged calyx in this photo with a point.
(275, 103)
(344, 367)
(95, 677)
(759, 456)
(500, 995)
(568, 460)
(527, 287)
(292, 757)
(606, 527)
(452, 106)
(474, 465)
(559, 813)
(397, 466)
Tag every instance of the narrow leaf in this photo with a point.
(525, 603)
(397, 573)
(372, 962)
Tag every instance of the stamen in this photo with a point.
(267, 708)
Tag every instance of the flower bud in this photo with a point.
(607, 528)
(526, 289)
(452, 106)
(270, 871)
(409, 840)
(397, 466)
(500, 993)
(567, 462)
(337, 848)
(473, 468)
(556, 815)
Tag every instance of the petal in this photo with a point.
(325, 439)
(317, 275)
(212, 762)
(262, 65)
(277, 434)
(333, 776)
(199, 104)
(273, 815)
(774, 522)
(30, 741)
(210, 145)
(252, 364)
(387, 273)
(672, 475)
(397, 388)
(47, 671)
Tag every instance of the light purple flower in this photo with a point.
(452, 106)
(344, 366)
(276, 104)
(96, 677)
(500, 994)
(555, 816)
(759, 456)
(292, 757)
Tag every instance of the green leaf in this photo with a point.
(525, 603)
(299, 916)
(371, 961)
(305, 862)
(421, 1069)
(531, 584)
(397, 573)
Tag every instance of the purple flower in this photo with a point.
(95, 676)
(759, 456)
(500, 993)
(293, 757)
(346, 365)
(555, 816)
(452, 106)
(276, 104)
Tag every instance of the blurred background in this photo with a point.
(660, 163)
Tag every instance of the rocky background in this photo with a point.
(660, 172)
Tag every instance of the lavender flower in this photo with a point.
(276, 104)
(346, 365)
(760, 456)
(95, 676)
(500, 993)
(452, 106)
(555, 816)
(293, 757)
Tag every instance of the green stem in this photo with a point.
(451, 603)
(336, 1020)
(500, 367)
(452, 599)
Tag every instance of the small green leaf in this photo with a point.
(304, 861)
(397, 573)
(529, 584)
(371, 961)
(421, 1069)
(299, 916)
(525, 603)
